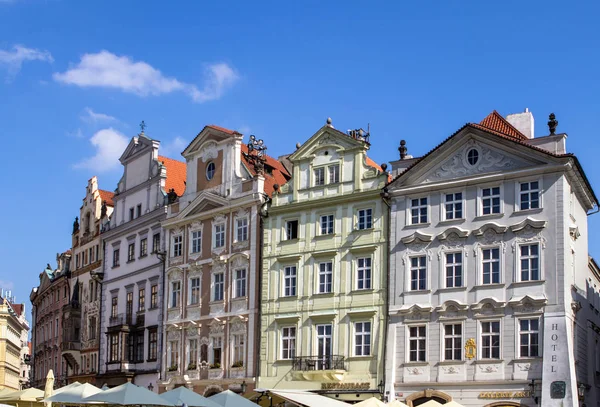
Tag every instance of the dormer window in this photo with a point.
(210, 170)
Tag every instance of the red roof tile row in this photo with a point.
(107, 196)
(495, 121)
(176, 174)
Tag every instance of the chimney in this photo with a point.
(523, 122)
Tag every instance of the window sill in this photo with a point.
(361, 357)
(490, 216)
(493, 285)
(140, 312)
(240, 298)
(365, 230)
(451, 362)
(151, 360)
(142, 256)
(284, 361)
(362, 291)
(451, 289)
(130, 261)
(417, 292)
(294, 240)
(152, 308)
(527, 211)
(451, 221)
(529, 359)
(486, 361)
(526, 283)
(330, 294)
(409, 364)
(325, 236)
(288, 297)
(215, 302)
(417, 225)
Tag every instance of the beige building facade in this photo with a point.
(14, 349)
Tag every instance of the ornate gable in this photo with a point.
(137, 145)
(204, 202)
(326, 136)
(205, 143)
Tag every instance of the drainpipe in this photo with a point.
(262, 213)
(162, 256)
(385, 196)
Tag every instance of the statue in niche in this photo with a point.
(172, 196)
(103, 210)
(76, 225)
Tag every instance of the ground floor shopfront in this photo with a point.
(207, 382)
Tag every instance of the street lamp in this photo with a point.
(151, 387)
(533, 396)
(381, 388)
(243, 386)
(581, 391)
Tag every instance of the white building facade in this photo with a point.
(132, 288)
(488, 246)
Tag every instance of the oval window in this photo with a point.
(210, 170)
(473, 156)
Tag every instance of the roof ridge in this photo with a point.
(510, 130)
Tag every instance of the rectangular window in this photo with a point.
(240, 283)
(114, 347)
(453, 342)
(143, 247)
(91, 250)
(418, 273)
(490, 340)
(131, 212)
(218, 286)
(139, 347)
(453, 206)
(288, 342)
(530, 262)
(217, 343)
(453, 270)
(131, 252)
(319, 176)
(418, 211)
(196, 241)
(241, 226)
(326, 224)
(238, 349)
(491, 266)
(363, 273)
(362, 339)
(417, 343)
(325, 277)
(154, 296)
(529, 195)
(92, 328)
(152, 344)
(289, 281)
(365, 219)
(490, 200)
(138, 211)
(175, 294)
(156, 243)
(142, 299)
(114, 310)
(195, 291)
(219, 235)
(192, 354)
(174, 356)
(334, 174)
(291, 229)
(116, 255)
(177, 246)
(324, 346)
(129, 307)
(529, 338)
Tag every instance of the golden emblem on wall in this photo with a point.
(470, 348)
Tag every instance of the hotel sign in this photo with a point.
(345, 386)
(505, 394)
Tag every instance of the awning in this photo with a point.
(308, 399)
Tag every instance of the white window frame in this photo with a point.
(480, 338)
(316, 178)
(518, 258)
(362, 334)
(519, 332)
(453, 336)
(407, 333)
(427, 206)
(213, 287)
(329, 222)
(174, 349)
(410, 269)
(330, 167)
(191, 290)
(480, 199)
(289, 278)
(212, 173)
(454, 264)
(291, 350)
(454, 202)
(240, 228)
(194, 239)
(539, 190)
(285, 229)
(364, 268)
(223, 232)
(189, 352)
(358, 218)
(237, 346)
(177, 240)
(236, 283)
(480, 262)
(325, 272)
(172, 292)
(211, 354)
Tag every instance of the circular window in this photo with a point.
(473, 156)
(210, 170)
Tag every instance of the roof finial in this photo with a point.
(329, 121)
(143, 126)
(552, 123)
(402, 149)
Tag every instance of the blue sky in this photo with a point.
(76, 79)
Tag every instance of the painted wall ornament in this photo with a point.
(470, 348)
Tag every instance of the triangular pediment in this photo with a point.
(137, 145)
(469, 153)
(208, 138)
(205, 202)
(326, 137)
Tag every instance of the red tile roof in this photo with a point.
(18, 308)
(223, 129)
(176, 174)
(495, 121)
(373, 164)
(279, 175)
(107, 196)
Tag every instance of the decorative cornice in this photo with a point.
(417, 237)
(461, 233)
(529, 222)
(490, 226)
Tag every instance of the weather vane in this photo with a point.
(257, 147)
(143, 126)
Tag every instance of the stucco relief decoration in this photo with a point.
(193, 313)
(173, 314)
(218, 266)
(238, 326)
(197, 225)
(192, 331)
(450, 370)
(458, 166)
(195, 271)
(415, 371)
(173, 334)
(204, 341)
(239, 262)
(489, 368)
(527, 231)
(242, 213)
(239, 304)
(216, 328)
(208, 152)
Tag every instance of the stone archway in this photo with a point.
(212, 390)
(421, 397)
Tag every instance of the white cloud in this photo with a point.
(105, 69)
(109, 145)
(173, 148)
(93, 117)
(13, 59)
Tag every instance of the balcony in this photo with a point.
(120, 319)
(66, 346)
(332, 367)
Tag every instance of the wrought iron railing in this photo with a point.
(332, 362)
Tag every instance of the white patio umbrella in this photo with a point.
(453, 404)
(371, 402)
(27, 397)
(228, 398)
(67, 387)
(396, 403)
(305, 398)
(73, 395)
(128, 394)
(431, 403)
(183, 395)
(49, 388)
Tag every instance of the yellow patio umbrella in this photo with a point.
(397, 403)
(49, 386)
